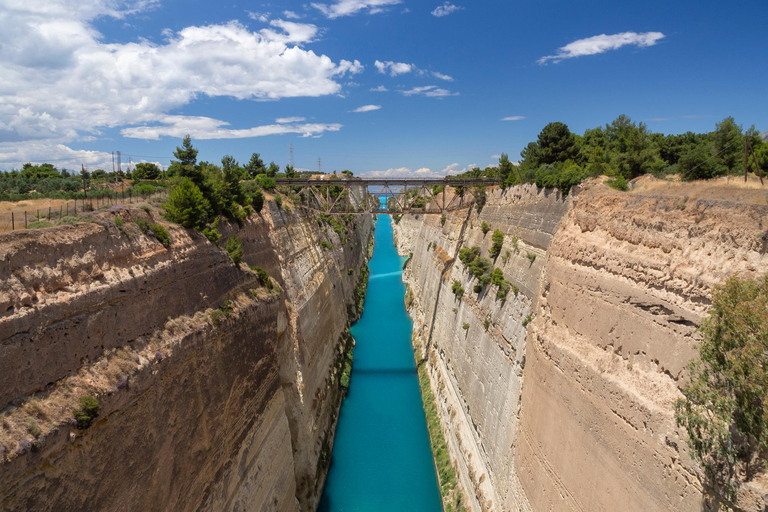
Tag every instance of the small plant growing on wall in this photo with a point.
(235, 249)
(87, 411)
(484, 227)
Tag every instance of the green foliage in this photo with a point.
(498, 242)
(161, 234)
(497, 277)
(442, 220)
(186, 154)
(465, 326)
(527, 320)
(486, 323)
(255, 166)
(186, 205)
(531, 257)
(725, 409)
(361, 288)
(39, 224)
(235, 249)
(481, 269)
(619, 183)
(87, 411)
(264, 278)
(279, 201)
(146, 171)
(325, 244)
(457, 289)
(258, 201)
(480, 198)
(467, 255)
(396, 217)
(211, 232)
(266, 182)
(484, 227)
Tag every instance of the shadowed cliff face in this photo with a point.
(216, 393)
(564, 400)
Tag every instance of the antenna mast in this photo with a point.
(290, 154)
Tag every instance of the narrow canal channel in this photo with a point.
(381, 458)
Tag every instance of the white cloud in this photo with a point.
(366, 108)
(283, 120)
(512, 118)
(380, 88)
(602, 43)
(394, 68)
(446, 9)
(430, 91)
(203, 128)
(291, 15)
(350, 7)
(259, 16)
(441, 76)
(61, 82)
(422, 172)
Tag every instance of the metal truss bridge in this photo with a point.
(385, 195)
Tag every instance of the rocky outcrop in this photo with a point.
(216, 392)
(560, 397)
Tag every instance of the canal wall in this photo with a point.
(561, 397)
(218, 390)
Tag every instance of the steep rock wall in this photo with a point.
(560, 398)
(216, 393)
(476, 372)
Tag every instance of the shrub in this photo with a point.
(725, 409)
(258, 201)
(408, 260)
(187, 205)
(497, 277)
(468, 255)
(87, 412)
(531, 257)
(161, 234)
(619, 183)
(235, 249)
(211, 232)
(527, 320)
(279, 201)
(442, 220)
(457, 289)
(266, 182)
(264, 279)
(486, 323)
(484, 227)
(325, 244)
(498, 242)
(396, 217)
(465, 326)
(39, 224)
(479, 267)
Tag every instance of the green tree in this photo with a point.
(498, 242)
(232, 172)
(146, 171)
(290, 172)
(255, 166)
(728, 145)
(725, 409)
(186, 154)
(186, 205)
(508, 177)
(698, 163)
(484, 227)
(235, 249)
(556, 143)
(258, 201)
(273, 169)
(629, 145)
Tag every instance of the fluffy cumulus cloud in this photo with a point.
(62, 83)
(208, 128)
(513, 118)
(601, 44)
(366, 108)
(446, 9)
(380, 88)
(349, 7)
(430, 91)
(422, 172)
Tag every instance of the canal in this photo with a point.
(381, 458)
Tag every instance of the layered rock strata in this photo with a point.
(216, 392)
(561, 397)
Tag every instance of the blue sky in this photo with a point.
(433, 79)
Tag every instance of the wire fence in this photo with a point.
(60, 211)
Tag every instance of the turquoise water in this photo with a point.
(381, 456)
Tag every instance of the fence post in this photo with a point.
(49, 214)
(38, 215)
(25, 219)
(13, 223)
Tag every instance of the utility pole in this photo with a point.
(319, 165)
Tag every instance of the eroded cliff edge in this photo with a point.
(560, 397)
(217, 392)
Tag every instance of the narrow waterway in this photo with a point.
(381, 456)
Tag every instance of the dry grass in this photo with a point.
(728, 188)
(24, 427)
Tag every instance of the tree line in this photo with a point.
(623, 150)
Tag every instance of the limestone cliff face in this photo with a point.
(216, 392)
(560, 398)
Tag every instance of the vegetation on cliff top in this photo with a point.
(725, 409)
(625, 150)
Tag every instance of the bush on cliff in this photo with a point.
(725, 409)
(498, 242)
(187, 205)
(87, 412)
(235, 249)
